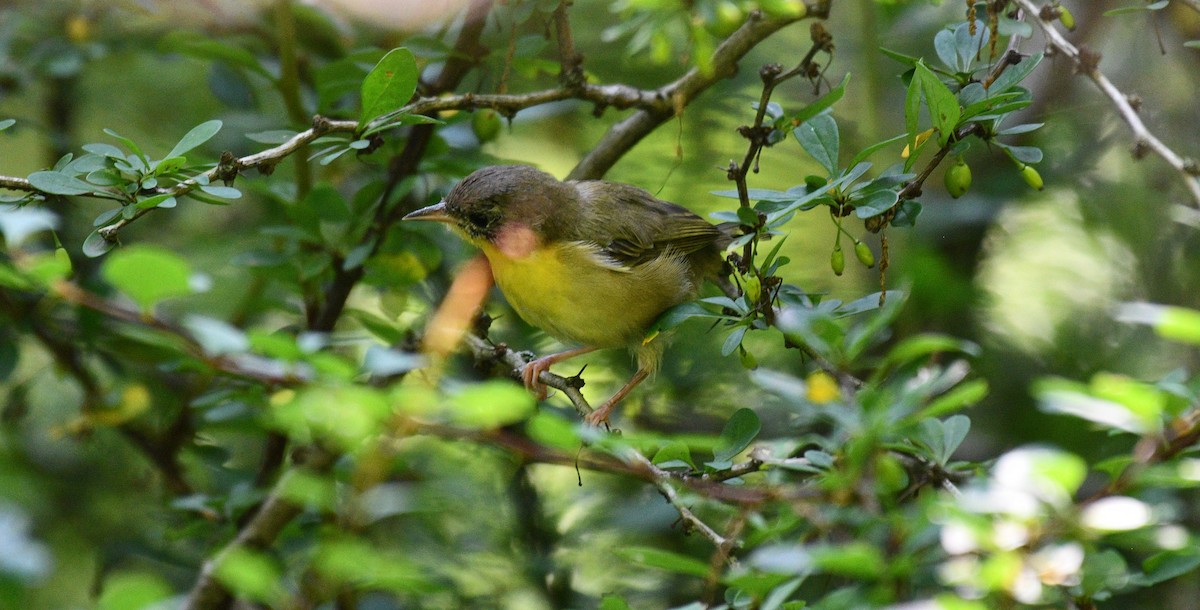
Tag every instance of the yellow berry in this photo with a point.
(822, 388)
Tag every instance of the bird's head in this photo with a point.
(494, 201)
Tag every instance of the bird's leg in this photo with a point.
(535, 368)
(600, 415)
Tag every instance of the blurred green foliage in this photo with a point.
(211, 374)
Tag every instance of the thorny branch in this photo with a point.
(1087, 63)
(653, 107)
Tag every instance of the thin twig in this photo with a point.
(1144, 140)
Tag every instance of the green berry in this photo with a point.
(486, 124)
(864, 254)
(1067, 19)
(958, 178)
(837, 260)
(1032, 177)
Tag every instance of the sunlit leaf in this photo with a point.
(148, 274)
(389, 85)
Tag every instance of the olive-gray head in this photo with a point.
(488, 199)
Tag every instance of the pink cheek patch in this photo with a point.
(516, 240)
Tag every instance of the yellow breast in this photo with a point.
(575, 293)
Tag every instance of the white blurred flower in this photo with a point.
(1048, 474)
(958, 539)
(1172, 537)
(405, 15)
(1026, 587)
(993, 500)
(1059, 564)
(962, 570)
(1117, 514)
(1009, 535)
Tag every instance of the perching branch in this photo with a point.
(483, 350)
(1087, 63)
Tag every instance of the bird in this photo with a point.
(591, 262)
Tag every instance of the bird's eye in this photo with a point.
(481, 218)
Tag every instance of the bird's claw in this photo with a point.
(530, 374)
(599, 417)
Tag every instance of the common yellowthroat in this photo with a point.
(590, 262)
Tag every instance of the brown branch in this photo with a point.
(1086, 63)
(245, 366)
(674, 96)
(526, 449)
(259, 532)
(1182, 434)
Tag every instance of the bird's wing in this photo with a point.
(640, 227)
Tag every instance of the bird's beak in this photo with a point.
(436, 212)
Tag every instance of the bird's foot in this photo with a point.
(599, 417)
(531, 372)
(534, 369)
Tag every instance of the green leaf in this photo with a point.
(859, 560)
(275, 136)
(613, 602)
(554, 431)
(491, 404)
(920, 346)
(197, 136)
(944, 437)
(957, 399)
(132, 146)
(1072, 398)
(943, 107)
(133, 591)
(389, 85)
(875, 202)
(57, 183)
(1172, 323)
(819, 138)
(164, 200)
(1166, 565)
(148, 274)
(674, 455)
(967, 45)
(1013, 75)
(872, 149)
(943, 44)
(96, 245)
(6, 123)
(224, 192)
(733, 340)
(825, 101)
(741, 429)
(199, 45)
(250, 574)
(663, 560)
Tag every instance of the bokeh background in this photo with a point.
(1031, 276)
